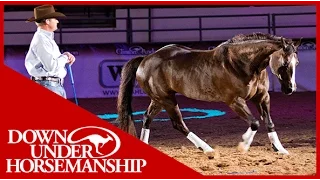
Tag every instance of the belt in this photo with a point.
(50, 78)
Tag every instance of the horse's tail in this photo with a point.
(128, 76)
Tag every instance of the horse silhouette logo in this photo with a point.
(97, 140)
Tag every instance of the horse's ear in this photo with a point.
(298, 43)
(284, 44)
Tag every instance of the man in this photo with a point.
(44, 61)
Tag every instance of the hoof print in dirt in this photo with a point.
(212, 155)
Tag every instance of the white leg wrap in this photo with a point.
(276, 144)
(247, 134)
(145, 135)
(248, 138)
(199, 143)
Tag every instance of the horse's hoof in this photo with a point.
(212, 154)
(283, 151)
(242, 147)
(280, 150)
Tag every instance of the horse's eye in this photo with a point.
(279, 76)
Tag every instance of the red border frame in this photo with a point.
(190, 3)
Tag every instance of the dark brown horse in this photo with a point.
(233, 73)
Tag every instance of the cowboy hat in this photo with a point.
(45, 12)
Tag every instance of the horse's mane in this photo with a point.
(251, 37)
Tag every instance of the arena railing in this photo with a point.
(270, 25)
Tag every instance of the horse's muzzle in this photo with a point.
(287, 91)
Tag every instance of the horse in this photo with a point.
(233, 72)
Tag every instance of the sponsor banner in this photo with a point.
(97, 69)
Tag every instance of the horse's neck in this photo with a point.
(262, 58)
(248, 60)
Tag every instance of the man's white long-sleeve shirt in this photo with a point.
(44, 57)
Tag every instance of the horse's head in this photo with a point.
(283, 64)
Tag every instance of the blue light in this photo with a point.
(207, 113)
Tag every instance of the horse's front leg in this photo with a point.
(262, 102)
(239, 106)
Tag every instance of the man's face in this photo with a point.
(53, 24)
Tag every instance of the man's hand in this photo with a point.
(71, 58)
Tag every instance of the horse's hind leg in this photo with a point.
(172, 108)
(262, 101)
(153, 109)
(240, 107)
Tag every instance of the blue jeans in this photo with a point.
(54, 87)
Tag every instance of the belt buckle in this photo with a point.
(58, 80)
(53, 79)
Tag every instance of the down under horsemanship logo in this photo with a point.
(86, 149)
